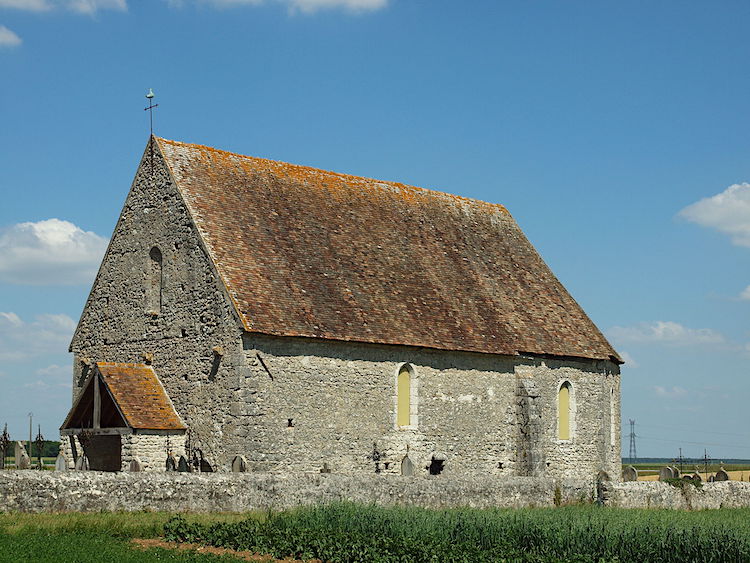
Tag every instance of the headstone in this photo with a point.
(665, 473)
(61, 463)
(23, 462)
(239, 465)
(676, 472)
(711, 478)
(630, 473)
(407, 467)
(19, 452)
(171, 464)
(82, 463)
(697, 478)
(135, 465)
(325, 468)
(182, 465)
(721, 475)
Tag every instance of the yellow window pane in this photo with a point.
(563, 413)
(404, 397)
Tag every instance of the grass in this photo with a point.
(84, 538)
(348, 532)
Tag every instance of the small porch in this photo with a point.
(123, 414)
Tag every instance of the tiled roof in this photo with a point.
(305, 252)
(140, 396)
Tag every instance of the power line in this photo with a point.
(692, 430)
(732, 446)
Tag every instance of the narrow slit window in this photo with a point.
(563, 412)
(403, 417)
(155, 282)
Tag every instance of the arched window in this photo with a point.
(403, 416)
(154, 282)
(612, 418)
(563, 411)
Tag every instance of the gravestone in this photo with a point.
(665, 473)
(82, 463)
(23, 462)
(721, 475)
(19, 453)
(630, 473)
(61, 463)
(711, 479)
(697, 478)
(239, 465)
(135, 465)
(676, 472)
(171, 464)
(325, 468)
(407, 467)
(182, 465)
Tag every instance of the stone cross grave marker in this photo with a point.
(61, 463)
(630, 473)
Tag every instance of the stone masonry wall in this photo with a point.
(193, 341)
(34, 491)
(485, 414)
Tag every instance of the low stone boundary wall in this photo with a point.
(654, 494)
(89, 491)
(34, 491)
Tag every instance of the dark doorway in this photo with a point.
(104, 453)
(436, 466)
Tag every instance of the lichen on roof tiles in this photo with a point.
(307, 252)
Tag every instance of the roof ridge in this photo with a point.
(479, 203)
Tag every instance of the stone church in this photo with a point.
(281, 318)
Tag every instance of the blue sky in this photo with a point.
(615, 133)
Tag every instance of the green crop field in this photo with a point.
(349, 533)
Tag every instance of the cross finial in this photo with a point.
(150, 109)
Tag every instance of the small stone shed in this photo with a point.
(123, 413)
(301, 320)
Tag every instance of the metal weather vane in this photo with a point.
(150, 109)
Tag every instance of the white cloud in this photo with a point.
(80, 6)
(53, 370)
(93, 6)
(629, 360)
(50, 252)
(305, 6)
(670, 393)
(29, 5)
(46, 334)
(745, 294)
(727, 212)
(8, 38)
(667, 332)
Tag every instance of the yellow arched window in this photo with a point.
(403, 413)
(563, 412)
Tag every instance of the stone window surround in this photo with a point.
(571, 411)
(413, 397)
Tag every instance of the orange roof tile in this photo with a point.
(306, 252)
(140, 396)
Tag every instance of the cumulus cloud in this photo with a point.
(305, 6)
(745, 294)
(80, 6)
(629, 360)
(667, 332)
(728, 212)
(49, 252)
(46, 334)
(670, 393)
(8, 38)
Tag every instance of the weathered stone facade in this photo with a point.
(298, 404)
